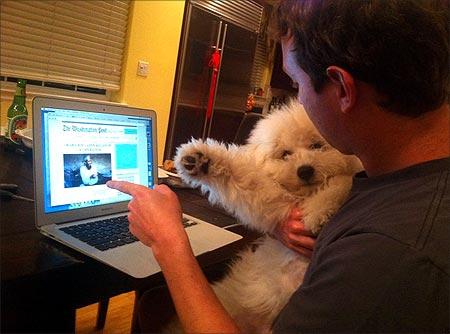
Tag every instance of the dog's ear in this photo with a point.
(344, 85)
(355, 164)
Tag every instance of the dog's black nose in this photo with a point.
(305, 172)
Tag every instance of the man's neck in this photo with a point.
(407, 142)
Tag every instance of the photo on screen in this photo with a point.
(81, 170)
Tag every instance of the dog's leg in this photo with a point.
(207, 162)
(219, 170)
(231, 175)
(318, 208)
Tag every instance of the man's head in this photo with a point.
(399, 47)
(87, 161)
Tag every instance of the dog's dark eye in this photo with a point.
(285, 154)
(316, 146)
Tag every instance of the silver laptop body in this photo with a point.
(79, 146)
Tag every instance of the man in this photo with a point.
(374, 78)
(375, 83)
(88, 172)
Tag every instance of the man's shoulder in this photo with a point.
(413, 211)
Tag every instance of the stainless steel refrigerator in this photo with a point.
(214, 73)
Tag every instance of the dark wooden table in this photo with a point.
(43, 282)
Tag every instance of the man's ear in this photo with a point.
(345, 87)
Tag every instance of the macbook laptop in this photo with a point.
(77, 148)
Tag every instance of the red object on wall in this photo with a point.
(214, 63)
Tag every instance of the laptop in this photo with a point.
(79, 146)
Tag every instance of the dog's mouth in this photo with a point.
(309, 183)
(301, 188)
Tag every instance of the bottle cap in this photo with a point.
(21, 82)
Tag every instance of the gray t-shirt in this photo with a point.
(382, 263)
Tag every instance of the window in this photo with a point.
(75, 45)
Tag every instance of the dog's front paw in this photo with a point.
(314, 223)
(195, 164)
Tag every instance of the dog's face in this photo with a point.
(295, 155)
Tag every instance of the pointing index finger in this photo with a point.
(124, 186)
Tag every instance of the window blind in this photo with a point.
(245, 13)
(70, 42)
(260, 62)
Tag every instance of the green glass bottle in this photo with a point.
(17, 112)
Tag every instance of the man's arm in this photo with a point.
(155, 218)
(198, 308)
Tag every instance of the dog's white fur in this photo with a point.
(259, 184)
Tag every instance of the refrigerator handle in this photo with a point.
(218, 36)
(214, 64)
(222, 50)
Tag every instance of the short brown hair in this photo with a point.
(401, 47)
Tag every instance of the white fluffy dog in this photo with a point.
(284, 163)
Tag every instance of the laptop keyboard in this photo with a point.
(108, 233)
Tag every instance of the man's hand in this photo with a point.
(293, 234)
(155, 218)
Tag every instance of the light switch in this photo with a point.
(142, 68)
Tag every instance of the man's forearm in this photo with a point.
(198, 308)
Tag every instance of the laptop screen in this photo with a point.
(82, 150)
